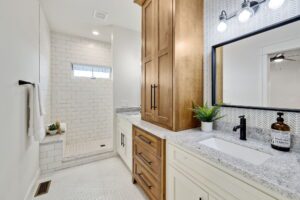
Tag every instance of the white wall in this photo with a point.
(242, 66)
(285, 82)
(127, 67)
(19, 55)
(86, 105)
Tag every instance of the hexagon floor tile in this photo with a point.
(103, 180)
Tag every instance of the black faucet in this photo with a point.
(242, 128)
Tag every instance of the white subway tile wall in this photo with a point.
(51, 156)
(86, 105)
(264, 17)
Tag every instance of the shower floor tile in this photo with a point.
(84, 148)
(103, 180)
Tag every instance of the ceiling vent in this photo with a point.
(100, 15)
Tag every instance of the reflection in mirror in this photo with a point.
(260, 71)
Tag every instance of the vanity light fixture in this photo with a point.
(223, 18)
(248, 9)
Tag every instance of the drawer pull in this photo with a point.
(145, 139)
(144, 159)
(144, 181)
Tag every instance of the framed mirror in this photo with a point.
(260, 70)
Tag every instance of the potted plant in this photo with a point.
(207, 115)
(52, 129)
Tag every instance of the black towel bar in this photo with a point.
(25, 83)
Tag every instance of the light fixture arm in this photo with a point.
(225, 16)
(253, 4)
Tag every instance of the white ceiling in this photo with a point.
(76, 16)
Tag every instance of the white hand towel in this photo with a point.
(36, 122)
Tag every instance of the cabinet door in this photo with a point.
(120, 143)
(180, 187)
(119, 140)
(164, 86)
(148, 61)
(128, 150)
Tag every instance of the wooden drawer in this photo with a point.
(149, 142)
(148, 160)
(149, 184)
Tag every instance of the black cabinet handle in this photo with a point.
(151, 97)
(122, 140)
(154, 88)
(144, 181)
(142, 157)
(144, 139)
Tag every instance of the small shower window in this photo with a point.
(91, 71)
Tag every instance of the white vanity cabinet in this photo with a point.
(124, 140)
(191, 177)
(180, 186)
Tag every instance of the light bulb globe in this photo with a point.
(222, 27)
(275, 4)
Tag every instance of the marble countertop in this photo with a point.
(135, 119)
(53, 139)
(280, 173)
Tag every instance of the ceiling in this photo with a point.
(76, 16)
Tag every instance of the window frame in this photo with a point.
(93, 67)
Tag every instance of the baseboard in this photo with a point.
(32, 185)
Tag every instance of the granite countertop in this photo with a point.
(280, 173)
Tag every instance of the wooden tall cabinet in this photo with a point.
(172, 61)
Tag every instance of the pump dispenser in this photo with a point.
(280, 134)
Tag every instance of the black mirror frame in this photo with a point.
(214, 74)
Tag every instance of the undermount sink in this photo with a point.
(250, 155)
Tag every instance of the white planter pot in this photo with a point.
(52, 132)
(207, 126)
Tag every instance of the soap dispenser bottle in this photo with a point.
(280, 134)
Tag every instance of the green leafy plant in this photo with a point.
(207, 113)
(52, 127)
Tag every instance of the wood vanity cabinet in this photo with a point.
(172, 61)
(149, 163)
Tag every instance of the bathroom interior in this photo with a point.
(150, 99)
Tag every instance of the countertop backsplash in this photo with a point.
(257, 133)
(128, 109)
